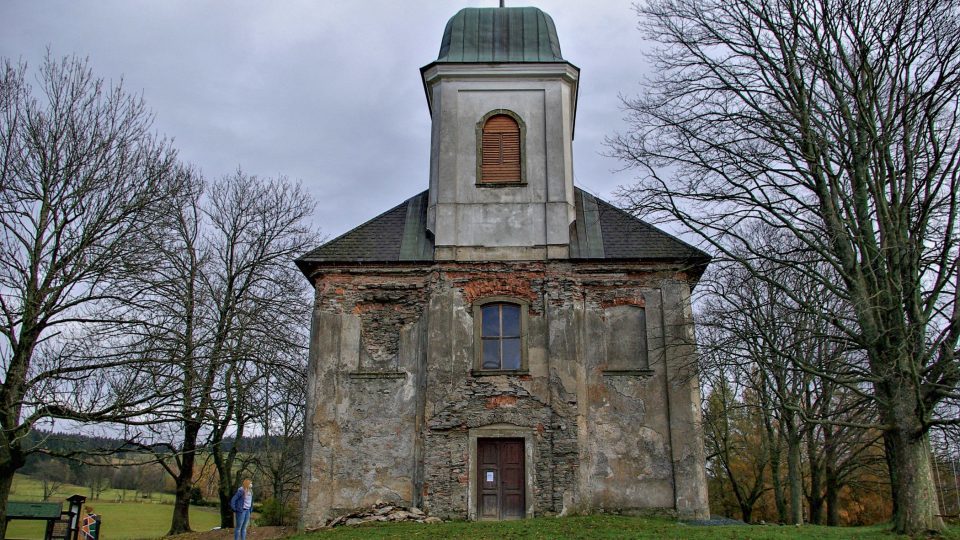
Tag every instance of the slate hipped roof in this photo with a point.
(399, 234)
(601, 232)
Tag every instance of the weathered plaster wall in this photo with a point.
(502, 222)
(395, 396)
(626, 450)
(366, 352)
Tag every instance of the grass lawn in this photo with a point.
(128, 520)
(150, 519)
(600, 527)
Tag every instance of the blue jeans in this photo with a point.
(242, 520)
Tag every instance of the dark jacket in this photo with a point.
(236, 502)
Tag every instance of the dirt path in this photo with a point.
(253, 533)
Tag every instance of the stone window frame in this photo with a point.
(502, 431)
(478, 305)
(523, 149)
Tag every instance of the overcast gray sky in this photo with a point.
(321, 91)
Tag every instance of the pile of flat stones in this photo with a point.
(384, 512)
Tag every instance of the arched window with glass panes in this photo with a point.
(501, 336)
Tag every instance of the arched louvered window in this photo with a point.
(501, 140)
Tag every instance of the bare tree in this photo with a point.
(257, 227)
(174, 317)
(220, 311)
(280, 460)
(53, 474)
(836, 123)
(734, 448)
(79, 171)
(793, 358)
(95, 472)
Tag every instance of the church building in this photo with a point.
(503, 344)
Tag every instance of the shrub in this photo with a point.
(195, 496)
(274, 512)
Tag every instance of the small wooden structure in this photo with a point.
(61, 524)
(49, 512)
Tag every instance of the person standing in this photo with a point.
(242, 506)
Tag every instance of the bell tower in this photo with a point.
(503, 106)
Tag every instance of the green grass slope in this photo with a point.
(599, 527)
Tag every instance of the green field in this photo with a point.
(600, 527)
(121, 521)
(26, 488)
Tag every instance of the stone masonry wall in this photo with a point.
(394, 393)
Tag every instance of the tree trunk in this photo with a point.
(816, 461)
(779, 498)
(226, 513)
(833, 497)
(12, 457)
(774, 446)
(831, 477)
(816, 499)
(794, 475)
(184, 481)
(914, 494)
(916, 509)
(888, 453)
(773, 443)
(224, 463)
(747, 512)
(6, 482)
(224, 486)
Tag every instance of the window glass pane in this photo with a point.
(511, 353)
(491, 320)
(511, 320)
(491, 354)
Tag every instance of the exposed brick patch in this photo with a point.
(623, 301)
(384, 303)
(518, 280)
(518, 286)
(496, 402)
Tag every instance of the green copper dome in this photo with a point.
(507, 34)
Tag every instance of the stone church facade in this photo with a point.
(503, 345)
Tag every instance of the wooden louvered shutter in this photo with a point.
(500, 148)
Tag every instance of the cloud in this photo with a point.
(327, 92)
